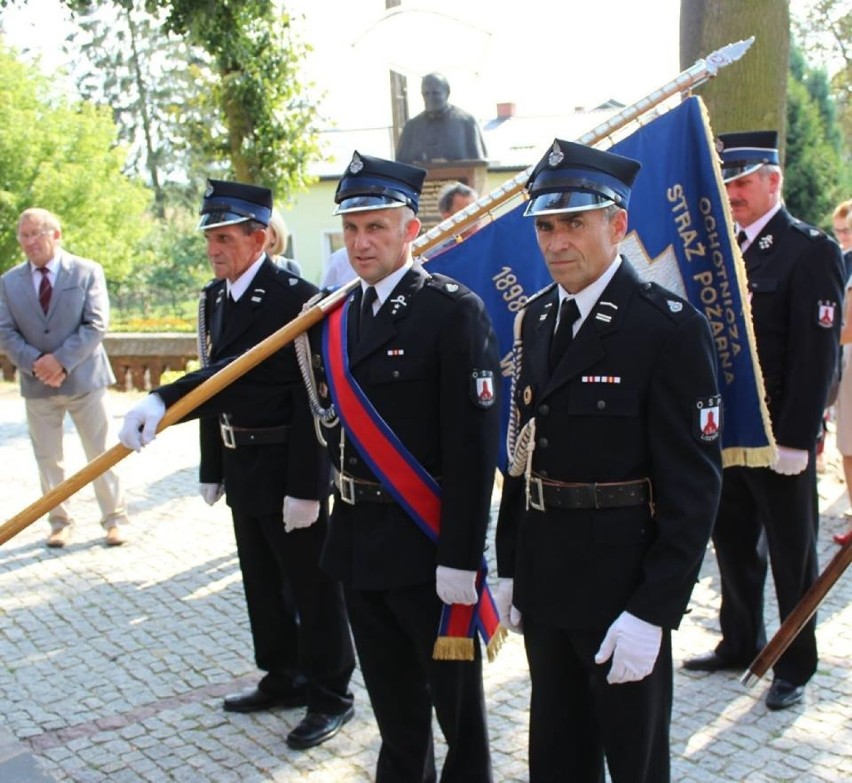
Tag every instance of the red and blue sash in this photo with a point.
(411, 486)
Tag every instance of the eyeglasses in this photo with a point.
(34, 234)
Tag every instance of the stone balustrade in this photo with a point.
(138, 358)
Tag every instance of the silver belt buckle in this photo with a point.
(536, 502)
(346, 487)
(227, 431)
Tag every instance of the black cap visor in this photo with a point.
(366, 203)
(218, 219)
(566, 201)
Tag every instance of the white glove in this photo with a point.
(299, 513)
(455, 586)
(633, 646)
(790, 462)
(140, 423)
(510, 617)
(211, 492)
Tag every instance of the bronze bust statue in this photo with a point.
(442, 131)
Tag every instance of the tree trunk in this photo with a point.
(750, 94)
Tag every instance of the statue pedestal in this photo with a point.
(472, 173)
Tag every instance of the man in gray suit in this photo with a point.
(53, 316)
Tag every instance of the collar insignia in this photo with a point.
(764, 243)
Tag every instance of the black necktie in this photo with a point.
(367, 314)
(230, 304)
(742, 238)
(44, 289)
(568, 313)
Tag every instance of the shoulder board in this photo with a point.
(811, 232)
(538, 294)
(446, 285)
(671, 304)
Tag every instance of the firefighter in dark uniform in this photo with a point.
(613, 484)
(795, 282)
(423, 352)
(258, 447)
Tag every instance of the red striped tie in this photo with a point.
(45, 289)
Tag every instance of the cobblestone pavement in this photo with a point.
(115, 660)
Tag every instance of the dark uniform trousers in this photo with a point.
(621, 404)
(568, 687)
(794, 272)
(416, 365)
(296, 611)
(394, 632)
(753, 519)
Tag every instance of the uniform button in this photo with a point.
(601, 405)
(352, 461)
(543, 473)
(543, 443)
(544, 410)
(395, 374)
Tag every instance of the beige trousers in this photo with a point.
(45, 419)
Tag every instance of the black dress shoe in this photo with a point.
(316, 728)
(784, 694)
(255, 700)
(713, 662)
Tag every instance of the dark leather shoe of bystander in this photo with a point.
(713, 662)
(316, 728)
(256, 700)
(783, 694)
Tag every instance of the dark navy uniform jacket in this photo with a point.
(272, 394)
(795, 280)
(623, 403)
(417, 367)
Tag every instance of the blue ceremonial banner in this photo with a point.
(679, 236)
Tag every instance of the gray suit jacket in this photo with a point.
(73, 329)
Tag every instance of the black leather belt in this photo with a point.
(546, 493)
(252, 436)
(353, 490)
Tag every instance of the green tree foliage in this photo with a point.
(151, 81)
(271, 134)
(812, 166)
(824, 35)
(254, 119)
(62, 156)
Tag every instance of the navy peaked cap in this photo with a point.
(572, 177)
(227, 203)
(745, 152)
(373, 183)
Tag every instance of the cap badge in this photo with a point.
(556, 156)
(356, 164)
(674, 305)
(764, 243)
(209, 190)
